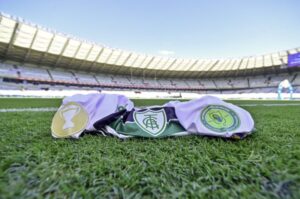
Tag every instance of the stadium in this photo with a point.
(40, 66)
(36, 59)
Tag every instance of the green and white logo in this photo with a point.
(219, 118)
(150, 121)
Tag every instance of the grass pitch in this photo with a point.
(263, 165)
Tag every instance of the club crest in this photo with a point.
(153, 122)
(219, 118)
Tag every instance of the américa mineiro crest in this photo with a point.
(150, 121)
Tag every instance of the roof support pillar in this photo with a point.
(12, 40)
(29, 50)
(61, 53)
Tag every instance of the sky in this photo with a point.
(176, 28)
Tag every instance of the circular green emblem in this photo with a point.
(219, 118)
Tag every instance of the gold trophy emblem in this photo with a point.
(67, 113)
(70, 119)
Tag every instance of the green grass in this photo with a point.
(263, 165)
(29, 102)
(55, 102)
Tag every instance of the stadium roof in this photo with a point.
(29, 43)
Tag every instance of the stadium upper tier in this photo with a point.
(28, 43)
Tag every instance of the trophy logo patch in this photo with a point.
(70, 119)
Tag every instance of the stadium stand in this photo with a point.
(63, 76)
(36, 58)
(86, 79)
(18, 76)
(33, 73)
(7, 70)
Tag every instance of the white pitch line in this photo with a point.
(51, 109)
(5, 110)
(291, 104)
